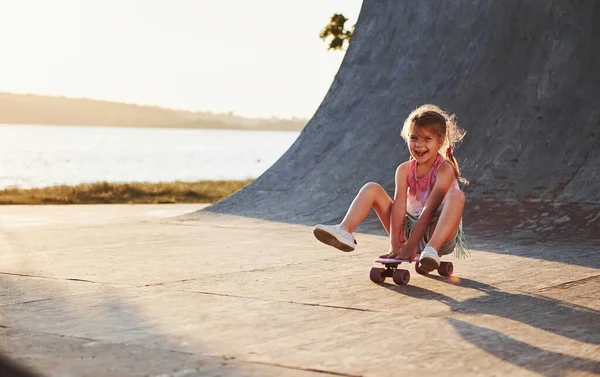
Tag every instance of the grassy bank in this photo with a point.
(132, 193)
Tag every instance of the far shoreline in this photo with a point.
(43, 110)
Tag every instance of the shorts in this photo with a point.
(447, 248)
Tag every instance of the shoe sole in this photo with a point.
(329, 239)
(428, 264)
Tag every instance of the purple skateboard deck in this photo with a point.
(401, 276)
(392, 261)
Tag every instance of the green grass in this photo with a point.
(132, 193)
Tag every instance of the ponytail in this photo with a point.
(452, 160)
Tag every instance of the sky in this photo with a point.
(257, 58)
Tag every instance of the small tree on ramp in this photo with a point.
(336, 32)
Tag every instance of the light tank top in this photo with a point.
(420, 189)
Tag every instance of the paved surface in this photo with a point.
(134, 291)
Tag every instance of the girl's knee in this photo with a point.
(377, 194)
(456, 195)
(372, 186)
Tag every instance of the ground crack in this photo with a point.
(58, 278)
(314, 370)
(288, 302)
(570, 284)
(28, 302)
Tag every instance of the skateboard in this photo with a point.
(401, 276)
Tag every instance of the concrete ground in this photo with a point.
(133, 290)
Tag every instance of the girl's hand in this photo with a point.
(408, 252)
(394, 252)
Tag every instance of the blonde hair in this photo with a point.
(443, 124)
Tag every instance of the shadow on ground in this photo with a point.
(521, 354)
(554, 316)
(55, 327)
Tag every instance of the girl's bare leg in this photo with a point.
(447, 225)
(371, 195)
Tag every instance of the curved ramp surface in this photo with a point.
(523, 78)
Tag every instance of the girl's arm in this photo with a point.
(445, 177)
(398, 214)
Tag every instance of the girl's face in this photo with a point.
(424, 144)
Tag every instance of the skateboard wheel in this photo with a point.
(418, 269)
(401, 277)
(377, 275)
(446, 268)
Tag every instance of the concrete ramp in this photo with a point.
(523, 78)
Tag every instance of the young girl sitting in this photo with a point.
(425, 216)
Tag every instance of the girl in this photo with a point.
(425, 215)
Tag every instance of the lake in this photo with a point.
(37, 156)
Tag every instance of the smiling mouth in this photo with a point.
(420, 154)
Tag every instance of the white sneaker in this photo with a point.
(335, 236)
(429, 260)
